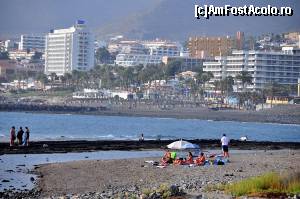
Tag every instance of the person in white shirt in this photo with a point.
(225, 142)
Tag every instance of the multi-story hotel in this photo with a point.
(133, 53)
(130, 60)
(163, 48)
(282, 67)
(69, 49)
(32, 42)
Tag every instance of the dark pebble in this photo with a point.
(5, 181)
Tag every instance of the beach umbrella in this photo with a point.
(181, 145)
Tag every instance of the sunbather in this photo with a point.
(200, 160)
(166, 159)
(189, 159)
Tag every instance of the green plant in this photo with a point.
(270, 184)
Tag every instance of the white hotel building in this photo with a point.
(265, 67)
(32, 42)
(69, 49)
(146, 53)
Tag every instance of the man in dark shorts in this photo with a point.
(20, 136)
(225, 143)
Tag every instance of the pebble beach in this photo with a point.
(120, 178)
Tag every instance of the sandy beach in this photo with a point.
(110, 178)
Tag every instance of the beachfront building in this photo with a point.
(32, 43)
(20, 54)
(163, 48)
(131, 60)
(69, 49)
(133, 53)
(266, 67)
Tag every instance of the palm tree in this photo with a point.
(53, 76)
(203, 78)
(42, 78)
(68, 78)
(245, 77)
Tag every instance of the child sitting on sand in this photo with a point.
(200, 160)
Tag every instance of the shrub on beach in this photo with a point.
(164, 191)
(268, 185)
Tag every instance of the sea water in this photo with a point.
(90, 127)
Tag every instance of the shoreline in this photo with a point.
(44, 147)
(289, 114)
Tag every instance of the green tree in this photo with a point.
(42, 78)
(4, 55)
(53, 77)
(245, 78)
(103, 56)
(37, 55)
(173, 67)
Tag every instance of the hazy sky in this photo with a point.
(161, 17)
(42, 15)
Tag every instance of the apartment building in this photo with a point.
(265, 67)
(32, 43)
(204, 47)
(69, 49)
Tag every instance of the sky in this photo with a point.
(151, 18)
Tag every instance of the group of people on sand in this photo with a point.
(21, 136)
(170, 157)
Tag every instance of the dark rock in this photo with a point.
(32, 179)
(174, 190)
(10, 171)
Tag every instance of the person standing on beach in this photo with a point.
(12, 136)
(20, 136)
(225, 143)
(141, 139)
(26, 137)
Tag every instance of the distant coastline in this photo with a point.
(282, 114)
